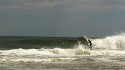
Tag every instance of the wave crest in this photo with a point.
(110, 42)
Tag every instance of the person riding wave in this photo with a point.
(86, 41)
(90, 44)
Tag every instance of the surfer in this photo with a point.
(86, 41)
(90, 44)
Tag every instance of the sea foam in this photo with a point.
(110, 42)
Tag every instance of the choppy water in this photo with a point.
(108, 54)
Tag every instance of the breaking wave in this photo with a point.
(110, 42)
(108, 46)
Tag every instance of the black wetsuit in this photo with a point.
(90, 44)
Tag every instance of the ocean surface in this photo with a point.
(62, 53)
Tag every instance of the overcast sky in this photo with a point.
(61, 17)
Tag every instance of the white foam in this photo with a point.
(61, 52)
(108, 52)
(110, 42)
(79, 50)
(56, 54)
(26, 52)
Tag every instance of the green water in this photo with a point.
(14, 42)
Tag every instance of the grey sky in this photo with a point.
(61, 17)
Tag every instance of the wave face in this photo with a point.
(108, 46)
(110, 42)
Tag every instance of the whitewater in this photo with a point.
(107, 53)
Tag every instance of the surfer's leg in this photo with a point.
(90, 46)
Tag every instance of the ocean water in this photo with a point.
(62, 53)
